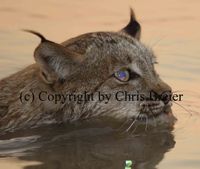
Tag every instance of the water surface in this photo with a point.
(170, 27)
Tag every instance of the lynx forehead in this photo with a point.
(104, 62)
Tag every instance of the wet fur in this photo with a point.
(83, 63)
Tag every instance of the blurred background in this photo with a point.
(171, 28)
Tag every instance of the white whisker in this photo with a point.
(146, 120)
(183, 108)
(132, 123)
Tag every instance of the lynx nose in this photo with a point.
(162, 91)
(166, 97)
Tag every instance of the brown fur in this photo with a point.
(84, 63)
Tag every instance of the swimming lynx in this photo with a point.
(96, 63)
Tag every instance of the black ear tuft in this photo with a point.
(133, 28)
(43, 39)
(54, 60)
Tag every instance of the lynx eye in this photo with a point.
(122, 75)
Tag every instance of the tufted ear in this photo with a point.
(133, 28)
(54, 60)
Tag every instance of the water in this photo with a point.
(170, 27)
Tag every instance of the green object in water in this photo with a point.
(128, 164)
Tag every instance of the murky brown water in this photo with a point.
(170, 27)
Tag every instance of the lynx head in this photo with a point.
(106, 62)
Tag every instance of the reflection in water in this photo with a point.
(98, 148)
(179, 60)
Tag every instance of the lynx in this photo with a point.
(96, 63)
